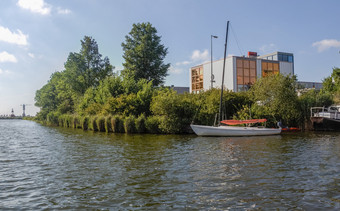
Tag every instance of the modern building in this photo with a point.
(179, 89)
(240, 71)
(309, 85)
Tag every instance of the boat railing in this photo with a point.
(324, 112)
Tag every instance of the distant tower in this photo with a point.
(12, 115)
(23, 109)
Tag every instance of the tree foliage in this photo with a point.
(88, 95)
(83, 70)
(86, 68)
(331, 84)
(276, 99)
(313, 98)
(144, 54)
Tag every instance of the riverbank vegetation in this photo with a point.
(88, 95)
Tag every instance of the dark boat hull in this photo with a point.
(325, 124)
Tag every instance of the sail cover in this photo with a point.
(239, 122)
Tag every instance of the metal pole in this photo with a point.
(211, 70)
(225, 55)
(211, 62)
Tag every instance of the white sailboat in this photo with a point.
(202, 130)
(221, 130)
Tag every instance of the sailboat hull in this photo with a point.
(202, 130)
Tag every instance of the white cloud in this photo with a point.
(326, 44)
(175, 70)
(268, 48)
(197, 55)
(13, 37)
(63, 11)
(31, 55)
(183, 63)
(6, 57)
(35, 6)
(4, 72)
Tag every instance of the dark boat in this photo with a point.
(326, 119)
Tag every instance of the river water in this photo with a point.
(57, 168)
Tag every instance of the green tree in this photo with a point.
(87, 68)
(312, 98)
(144, 54)
(276, 99)
(331, 85)
(208, 103)
(46, 97)
(174, 111)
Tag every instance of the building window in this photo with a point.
(270, 68)
(290, 58)
(246, 73)
(197, 79)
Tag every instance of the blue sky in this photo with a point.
(36, 36)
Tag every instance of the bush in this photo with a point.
(67, 120)
(93, 123)
(76, 121)
(129, 124)
(140, 124)
(61, 120)
(101, 123)
(84, 122)
(52, 118)
(117, 124)
(108, 124)
(152, 124)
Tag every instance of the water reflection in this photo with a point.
(57, 168)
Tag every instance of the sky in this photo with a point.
(36, 36)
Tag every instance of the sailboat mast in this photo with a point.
(225, 55)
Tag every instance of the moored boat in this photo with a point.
(326, 119)
(221, 130)
(202, 130)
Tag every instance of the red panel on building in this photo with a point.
(251, 54)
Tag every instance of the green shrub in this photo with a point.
(67, 120)
(76, 121)
(140, 124)
(61, 120)
(117, 124)
(129, 124)
(152, 124)
(108, 124)
(84, 122)
(93, 123)
(101, 123)
(52, 118)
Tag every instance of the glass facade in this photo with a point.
(284, 57)
(270, 67)
(246, 73)
(197, 79)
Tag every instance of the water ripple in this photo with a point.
(56, 168)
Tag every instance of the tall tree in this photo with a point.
(87, 68)
(144, 54)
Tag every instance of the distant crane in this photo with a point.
(23, 109)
